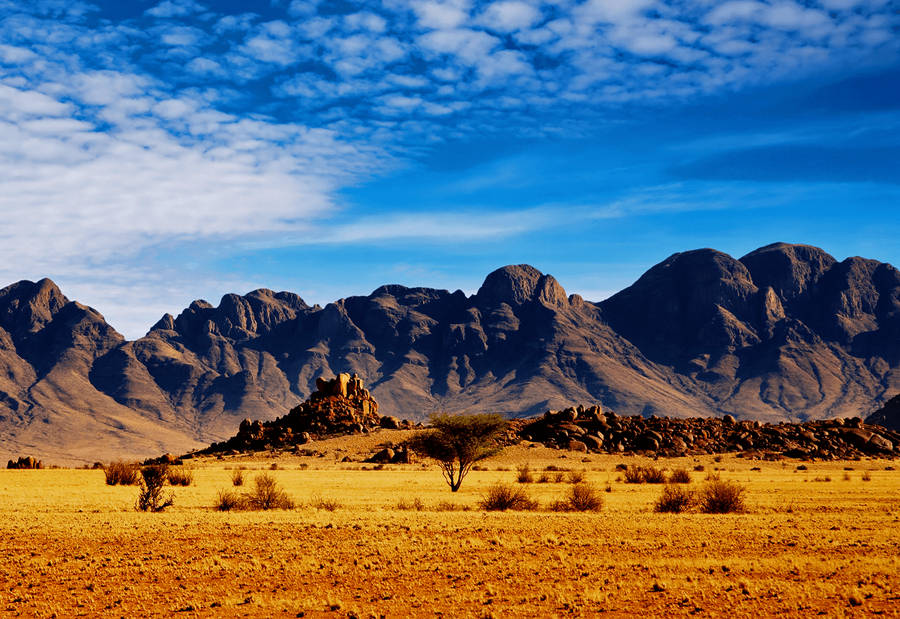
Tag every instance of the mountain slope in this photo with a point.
(784, 333)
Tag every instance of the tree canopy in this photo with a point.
(459, 441)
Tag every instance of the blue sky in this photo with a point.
(156, 152)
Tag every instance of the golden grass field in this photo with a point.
(72, 546)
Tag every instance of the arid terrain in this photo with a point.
(394, 541)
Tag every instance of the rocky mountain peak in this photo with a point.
(26, 307)
(788, 269)
(519, 284)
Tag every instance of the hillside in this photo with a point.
(784, 333)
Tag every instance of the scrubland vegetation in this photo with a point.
(322, 537)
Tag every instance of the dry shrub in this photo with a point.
(699, 468)
(634, 475)
(680, 476)
(151, 497)
(121, 473)
(328, 505)
(266, 494)
(237, 477)
(180, 476)
(229, 500)
(674, 500)
(449, 506)
(543, 479)
(524, 475)
(414, 505)
(866, 476)
(501, 497)
(645, 475)
(576, 477)
(721, 497)
(559, 478)
(582, 497)
(653, 475)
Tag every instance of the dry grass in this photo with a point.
(523, 474)
(180, 476)
(721, 497)
(121, 473)
(501, 497)
(74, 546)
(674, 500)
(581, 497)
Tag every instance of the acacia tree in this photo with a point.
(459, 441)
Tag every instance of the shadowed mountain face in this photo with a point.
(785, 332)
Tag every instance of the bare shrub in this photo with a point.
(524, 475)
(634, 475)
(680, 476)
(449, 506)
(501, 497)
(151, 497)
(582, 497)
(653, 475)
(721, 497)
(120, 473)
(180, 476)
(328, 505)
(237, 477)
(576, 477)
(229, 500)
(414, 505)
(674, 499)
(266, 494)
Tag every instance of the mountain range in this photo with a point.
(785, 333)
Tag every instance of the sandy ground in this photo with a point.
(820, 540)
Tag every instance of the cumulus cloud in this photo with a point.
(187, 124)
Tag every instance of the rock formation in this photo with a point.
(341, 405)
(592, 430)
(25, 462)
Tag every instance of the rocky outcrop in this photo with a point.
(25, 462)
(590, 429)
(341, 405)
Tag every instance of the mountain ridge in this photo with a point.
(786, 332)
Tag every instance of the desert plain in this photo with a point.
(393, 541)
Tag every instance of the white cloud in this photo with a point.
(441, 15)
(509, 16)
(175, 8)
(469, 46)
